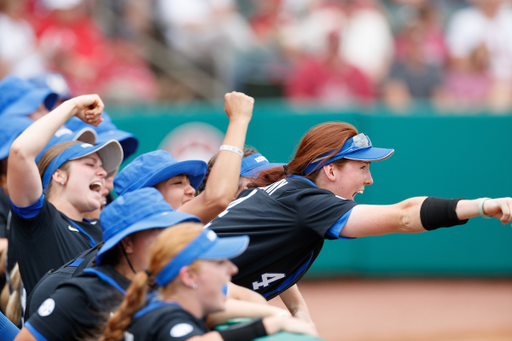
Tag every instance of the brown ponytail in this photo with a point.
(134, 300)
(326, 138)
(167, 245)
(13, 309)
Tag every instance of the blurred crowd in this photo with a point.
(456, 54)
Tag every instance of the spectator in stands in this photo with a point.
(367, 40)
(19, 53)
(82, 53)
(209, 32)
(467, 84)
(329, 79)
(487, 22)
(433, 44)
(412, 78)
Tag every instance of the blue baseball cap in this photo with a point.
(135, 211)
(205, 246)
(358, 148)
(20, 97)
(108, 131)
(87, 135)
(110, 154)
(151, 168)
(55, 82)
(10, 129)
(255, 163)
(128, 141)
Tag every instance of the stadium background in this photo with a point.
(450, 284)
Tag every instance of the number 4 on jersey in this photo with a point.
(266, 279)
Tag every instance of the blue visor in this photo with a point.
(205, 246)
(10, 129)
(358, 148)
(253, 164)
(110, 154)
(149, 169)
(135, 211)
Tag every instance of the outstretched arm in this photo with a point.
(22, 168)
(296, 305)
(407, 216)
(223, 180)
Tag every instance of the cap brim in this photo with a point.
(227, 247)
(110, 154)
(29, 103)
(194, 169)
(128, 141)
(159, 220)
(370, 154)
(87, 135)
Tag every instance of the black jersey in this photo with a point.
(4, 211)
(287, 223)
(52, 279)
(48, 240)
(79, 306)
(162, 321)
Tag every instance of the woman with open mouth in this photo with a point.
(289, 211)
(50, 198)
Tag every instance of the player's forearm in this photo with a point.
(295, 303)
(36, 136)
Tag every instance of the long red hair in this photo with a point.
(326, 138)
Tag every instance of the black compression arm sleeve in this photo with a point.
(438, 212)
(244, 331)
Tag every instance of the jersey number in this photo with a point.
(266, 279)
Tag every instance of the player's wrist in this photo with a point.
(437, 212)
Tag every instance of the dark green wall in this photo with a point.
(435, 154)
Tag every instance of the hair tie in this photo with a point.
(148, 273)
(285, 169)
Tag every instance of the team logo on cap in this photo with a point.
(46, 308)
(260, 159)
(85, 145)
(181, 330)
(211, 235)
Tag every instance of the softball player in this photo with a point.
(189, 265)
(79, 307)
(297, 206)
(47, 226)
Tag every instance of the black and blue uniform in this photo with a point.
(161, 321)
(42, 238)
(79, 305)
(287, 223)
(4, 212)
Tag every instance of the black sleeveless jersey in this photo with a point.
(287, 224)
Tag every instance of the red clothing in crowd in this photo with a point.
(331, 83)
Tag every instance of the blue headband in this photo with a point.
(205, 246)
(358, 147)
